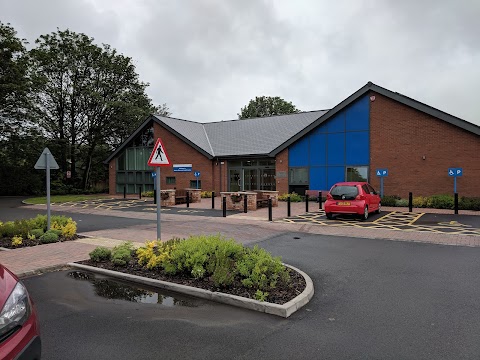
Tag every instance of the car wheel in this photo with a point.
(365, 213)
(329, 216)
(379, 210)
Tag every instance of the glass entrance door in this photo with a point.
(235, 180)
(250, 179)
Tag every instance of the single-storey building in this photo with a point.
(372, 129)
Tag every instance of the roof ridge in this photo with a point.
(264, 117)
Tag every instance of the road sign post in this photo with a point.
(158, 158)
(47, 161)
(197, 175)
(455, 172)
(381, 173)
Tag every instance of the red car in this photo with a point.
(357, 198)
(19, 329)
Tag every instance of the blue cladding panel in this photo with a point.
(337, 123)
(336, 149)
(357, 148)
(335, 174)
(318, 149)
(318, 178)
(358, 115)
(298, 153)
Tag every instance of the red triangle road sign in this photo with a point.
(159, 156)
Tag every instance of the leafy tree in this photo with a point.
(267, 106)
(86, 97)
(13, 79)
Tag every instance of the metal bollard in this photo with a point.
(270, 218)
(213, 199)
(245, 203)
(410, 202)
(154, 196)
(289, 213)
(139, 192)
(319, 200)
(224, 206)
(188, 198)
(124, 192)
(306, 203)
(455, 203)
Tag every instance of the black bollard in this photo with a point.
(154, 196)
(270, 209)
(455, 203)
(224, 206)
(140, 192)
(319, 200)
(288, 206)
(213, 199)
(124, 192)
(410, 202)
(245, 203)
(188, 198)
(306, 203)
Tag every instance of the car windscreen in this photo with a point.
(344, 192)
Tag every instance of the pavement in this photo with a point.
(109, 227)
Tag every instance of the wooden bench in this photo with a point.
(181, 196)
(262, 199)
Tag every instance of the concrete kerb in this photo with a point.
(42, 270)
(284, 310)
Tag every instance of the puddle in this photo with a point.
(113, 289)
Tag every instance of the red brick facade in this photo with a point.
(418, 149)
(281, 165)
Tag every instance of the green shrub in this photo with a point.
(466, 203)
(390, 200)
(261, 296)
(37, 233)
(294, 197)
(401, 202)
(147, 194)
(206, 194)
(419, 201)
(7, 229)
(122, 254)
(56, 231)
(440, 202)
(100, 254)
(49, 237)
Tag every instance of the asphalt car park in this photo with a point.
(373, 299)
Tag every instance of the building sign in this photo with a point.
(281, 174)
(182, 167)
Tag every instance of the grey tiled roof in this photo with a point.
(242, 137)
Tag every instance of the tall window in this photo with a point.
(357, 173)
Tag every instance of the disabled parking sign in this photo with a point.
(455, 172)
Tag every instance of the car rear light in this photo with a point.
(329, 197)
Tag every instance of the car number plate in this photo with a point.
(344, 203)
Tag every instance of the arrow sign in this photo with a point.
(41, 163)
(196, 174)
(159, 156)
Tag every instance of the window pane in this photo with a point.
(139, 177)
(234, 163)
(120, 178)
(131, 159)
(298, 176)
(358, 173)
(131, 177)
(171, 180)
(140, 159)
(121, 161)
(193, 184)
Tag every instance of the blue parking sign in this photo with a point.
(455, 172)
(382, 172)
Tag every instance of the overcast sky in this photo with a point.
(207, 58)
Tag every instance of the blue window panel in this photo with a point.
(358, 148)
(298, 153)
(336, 149)
(318, 178)
(337, 123)
(335, 174)
(318, 149)
(358, 115)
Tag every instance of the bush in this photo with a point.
(7, 229)
(49, 237)
(147, 194)
(390, 200)
(401, 202)
(155, 253)
(294, 197)
(70, 229)
(122, 254)
(466, 203)
(37, 233)
(440, 202)
(16, 240)
(100, 254)
(419, 201)
(206, 194)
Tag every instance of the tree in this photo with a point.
(13, 79)
(86, 97)
(267, 106)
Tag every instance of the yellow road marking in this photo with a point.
(416, 218)
(384, 216)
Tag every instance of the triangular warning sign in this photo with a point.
(42, 161)
(159, 156)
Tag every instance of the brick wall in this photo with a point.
(180, 152)
(281, 164)
(399, 138)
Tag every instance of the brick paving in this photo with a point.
(246, 228)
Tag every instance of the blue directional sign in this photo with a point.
(382, 172)
(196, 174)
(154, 174)
(455, 172)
